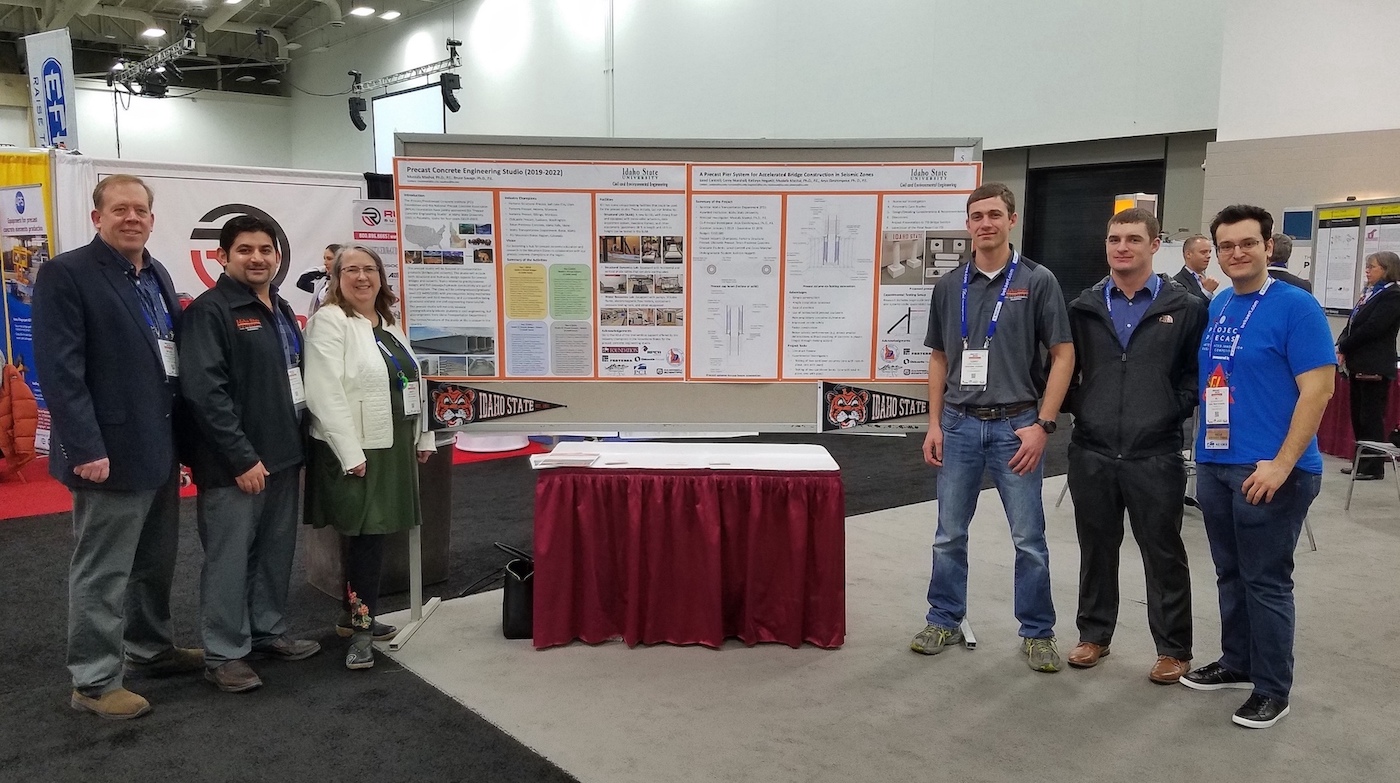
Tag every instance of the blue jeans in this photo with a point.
(1252, 547)
(970, 448)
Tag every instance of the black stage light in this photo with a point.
(450, 83)
(357, 105)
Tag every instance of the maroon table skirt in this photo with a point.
(689, 557)
(1334, 435)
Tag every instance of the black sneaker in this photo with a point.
(1214, 677)
(1260, 712)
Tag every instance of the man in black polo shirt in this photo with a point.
(1135, 341)
(992, 409)
(240, 349)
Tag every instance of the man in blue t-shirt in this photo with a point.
(1266, 374)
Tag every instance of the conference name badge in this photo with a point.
(1218, 405)
(411, 404)
(170, 358)
(974, 367)
(298, 389)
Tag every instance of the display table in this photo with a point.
(690, 544)
(1334, 434)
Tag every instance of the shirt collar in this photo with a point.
(1153, 287)
(125, 262)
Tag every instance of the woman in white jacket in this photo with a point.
(363, 391)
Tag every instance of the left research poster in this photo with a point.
(583, 268)
(450, 286)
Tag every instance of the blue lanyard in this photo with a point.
(1235, 344)
(403, 376)
(1154, 287)
(288, 335)
(1001, 298)
(1366, 297)
(153, 309)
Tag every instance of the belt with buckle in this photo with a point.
(995, 412)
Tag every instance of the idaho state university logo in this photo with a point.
(844, 407)
(455, 405)
(452, 406)
(847, 407)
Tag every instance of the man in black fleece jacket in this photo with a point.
(1136, 335)
(240, 349)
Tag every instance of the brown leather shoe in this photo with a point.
(176, 660)
(1086, 655)
(120, 704)
(1168, 670)
(233, 677)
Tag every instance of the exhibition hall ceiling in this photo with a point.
(239, 32)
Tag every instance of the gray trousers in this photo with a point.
(119, 581)
(248, 544)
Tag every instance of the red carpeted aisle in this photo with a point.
(40, 494)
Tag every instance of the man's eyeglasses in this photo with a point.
(356, 271)
(1226, 248)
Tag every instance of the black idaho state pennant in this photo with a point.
(844, 407)
(454, 405)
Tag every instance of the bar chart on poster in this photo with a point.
(675, 282)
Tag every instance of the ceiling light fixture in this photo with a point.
(246, 78)
(272, 80)
(153, 32)
(362, 10)
(390, 16)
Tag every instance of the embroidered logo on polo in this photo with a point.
(248, 324)
(844, 407)
(455, 405)
(1018, 294)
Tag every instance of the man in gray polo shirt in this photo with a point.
(991, 409)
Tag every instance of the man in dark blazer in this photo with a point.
(104, 325)
(1278, 263)
(1195, 252)
(1366, 348)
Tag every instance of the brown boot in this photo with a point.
(233, 677)
(1087, 654)
(120, 704)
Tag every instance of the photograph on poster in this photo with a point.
(669, 284)
(670, 316)
(612, 284)
(651, 249)
(645, 316)
(641, 284)
(24, 255)
(946, 250)
(478, 229)
(483, 255)
(454, 257)
(481, 367)
(413, 256)
(673, 249)
(440, 340)
(902, 256)
(620, 249)
(612, 316)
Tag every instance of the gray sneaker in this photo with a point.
(1043, 655)
(361, 654)
(934, 639)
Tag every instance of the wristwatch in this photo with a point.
(1046, 424)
